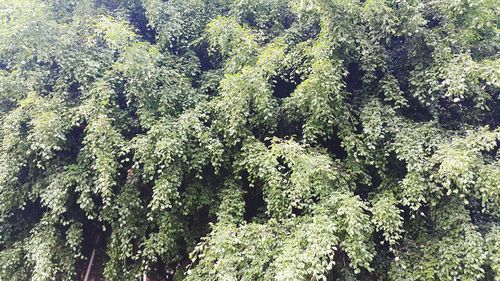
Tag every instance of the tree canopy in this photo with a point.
(250, 139)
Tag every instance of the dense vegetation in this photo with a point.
(250, 139)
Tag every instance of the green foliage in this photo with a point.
(492, 244)
(387, 218)
(455, 251)
(250, 140)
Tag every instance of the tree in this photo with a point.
(250, 140)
